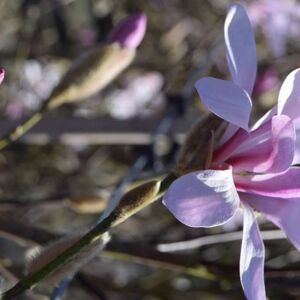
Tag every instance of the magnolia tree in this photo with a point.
(224, 165)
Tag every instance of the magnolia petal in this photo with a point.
(226, 100)
(203, 199)
(289, 95)
(273, 155)
(288, 102)
(240, 48)
(282, 185)
(259, 135)
(224, 151)
(297, 144)
(242, 141)
(229, 132)
(284, 213)
(252, 258)
(265, 118)
(2, 74)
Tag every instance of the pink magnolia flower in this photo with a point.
(2, 74)
(130, 31)
(250, 168)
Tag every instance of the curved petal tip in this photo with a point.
(226, 100)
(240, 48)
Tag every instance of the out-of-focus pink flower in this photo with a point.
(15, 109)
(279, 20)
(87, 36)
(35, 84)
(252, 167)
(142, 93)
(130, 32)
(266, 81)
(2, 75)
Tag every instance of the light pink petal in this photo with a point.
(284, 213)
(257, 136)
(297, 144)
(226, 100)
(252, 258)
(242, 141)
(203, 199)
(283, 185)
(289, 95)
(240, 48)
(229, 132)
(227, 148)
(2, 74)
(289, 103)
(272, 155)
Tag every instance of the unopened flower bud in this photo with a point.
(130, 31)
(96, 69)
(135, 200)
(91, 73)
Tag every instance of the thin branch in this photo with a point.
(216, 239)
(21, 129)
(146, 255)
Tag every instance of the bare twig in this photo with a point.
(215, 239)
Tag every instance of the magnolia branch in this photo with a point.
(131, 203)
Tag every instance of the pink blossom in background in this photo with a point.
(35, 85)
(2, 75)
(130, 31)
(141, 97)
(87, 36)
(251, 168)
(279, 21)
(15, 109)
(266, 80)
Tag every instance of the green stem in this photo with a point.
(32, 279)
(112, 220)
(22, 128)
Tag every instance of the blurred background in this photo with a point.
(60, 176)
